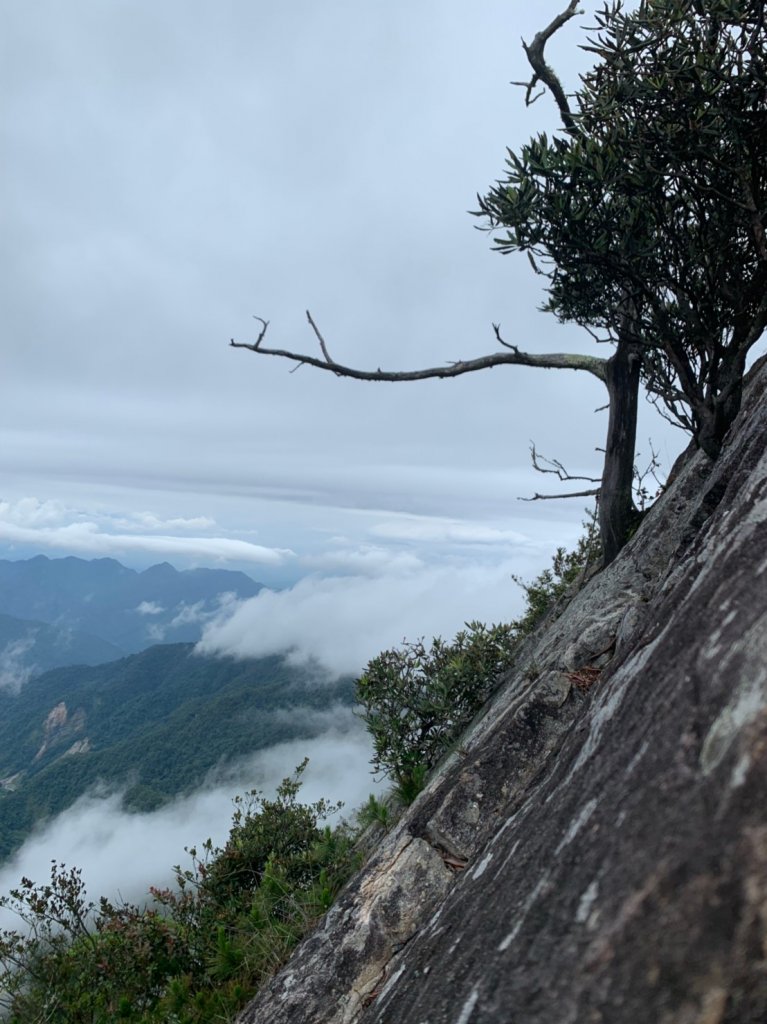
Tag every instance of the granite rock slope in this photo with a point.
(596, 850)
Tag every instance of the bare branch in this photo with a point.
(555, 497)
(529, 100)
(556, 467)
(541, 70)
(321, 340)
(497, 329)
(600, 341)
(549, 361)
(264, 326)
(642, 492)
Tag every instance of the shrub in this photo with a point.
(416, 700)
(375, 812)
(202, 949)
(543, 593)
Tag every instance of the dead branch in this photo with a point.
(556, 467)
(556, 497)
(549, 361)
(506, 344)
(642, 490)
(321, 340)
(542, 72)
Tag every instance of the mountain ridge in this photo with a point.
(163, 718)
(126, 608)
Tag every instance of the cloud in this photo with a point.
(149, 608)
(32, 512)
(366, 559)
(188, 614)
(148, 521)
(185, 614)
(121, 854)
(345, 621)
(446, 531)
(53, 525)
(14, 670)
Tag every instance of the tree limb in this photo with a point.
(556, 497)
(549, 361)
(555, 467)
(541, 70)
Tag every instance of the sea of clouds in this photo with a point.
(122, 854)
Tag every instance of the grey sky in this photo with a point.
(171, 169)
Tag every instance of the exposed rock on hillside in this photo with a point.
(597, 849)
(59, 728)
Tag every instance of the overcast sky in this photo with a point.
(171, 169)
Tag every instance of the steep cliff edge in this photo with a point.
(596, 851)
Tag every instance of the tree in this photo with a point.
(648, 215)
(653, 205)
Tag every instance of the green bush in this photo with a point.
(543, 593)
(416, 700)
(202, 949)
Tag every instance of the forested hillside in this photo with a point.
(153, 724)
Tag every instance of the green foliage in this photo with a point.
(417, 700)
(651, 205)
(543, 593)
(202, 949)
(375, 812)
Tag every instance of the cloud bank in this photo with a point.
(15, 671)
(121, 854)
(344, 621)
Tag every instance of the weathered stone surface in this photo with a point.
(596, 851)
(342, 964)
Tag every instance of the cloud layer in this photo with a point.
(54, 526)
(121, 854)
(345, 621)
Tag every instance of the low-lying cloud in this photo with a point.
(149, 608)
(122, 854)
(345, 621)
(15, 670)
(185, 615)
(446, 531)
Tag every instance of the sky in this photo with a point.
(171, 170)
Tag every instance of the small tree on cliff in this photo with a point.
(649, 213)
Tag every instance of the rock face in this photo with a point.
(59, 728)
(597, 849)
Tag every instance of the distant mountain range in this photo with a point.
(153, 725)
(28, 648)
(98, 610)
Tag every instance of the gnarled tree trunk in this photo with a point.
(617, 514)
